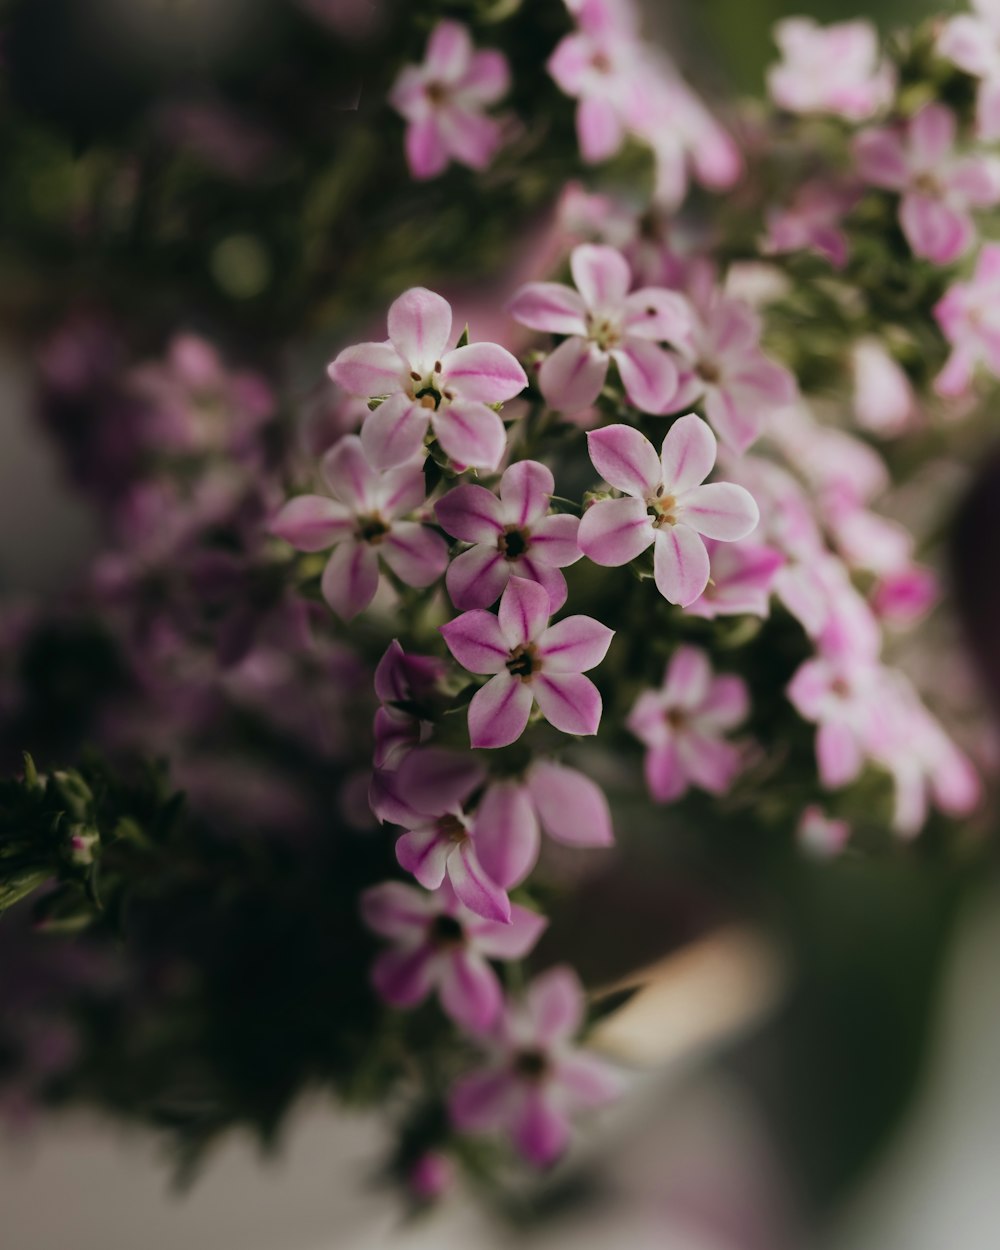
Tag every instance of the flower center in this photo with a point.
(523, 662)
(513, 543)
(444, 932)
(927, 183)
(708, 371)
(436, 92)
(674, 717)
(604, 332)
(601, 62)
(531, 1064)
(372, 529)
(452, 828)
(428, 391)
(662, 508)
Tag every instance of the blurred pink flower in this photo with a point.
(405, 685)
(832, 69)
(743, 576)
(821, 835)
(813, 221)
(969, 317)
(884, 402)
(972, 42)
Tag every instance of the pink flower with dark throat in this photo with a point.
(535, 1079)
(666, 505)
(832, 69)
(530, 662)
(444, 102)
(604, 322)
(406, 686)
(514, 534)
(939, 188)
(683, 727)
(424, 383)
(439, 945)
(364, 524)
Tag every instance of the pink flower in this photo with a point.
(903, 597)
(531, 662)
(813, 222)
(969, 317)
(363, 524)
(829, 69)
(840, 696)
(424, 383)
(440, 945)
(564, 802)
(820, 835)
(604, 322)
(535, 1079)
(431, 1176)
(512, 534)
(665, 505)
(938, 188)
(406, 687)
(743, 576)
(444, 102)
(682, 726)
(426, 797)
(883, 396)
(972, 42)
(723, 367)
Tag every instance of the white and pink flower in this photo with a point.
(422, 382)
(972, 42)
(444, 101)
(834, 69)
(742, 581)
(665, 505)
(884, 402)
(969, 317)
(530, 662)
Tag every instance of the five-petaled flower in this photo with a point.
(665, 504)
(530, 662)
(604, 322)
(406, 686)
(938, 187)
(535, 1078)
(440, 945)
(512, 534)
(830, 69)
(443, 101)
(424, 383)
(363, 524)
(683, 724)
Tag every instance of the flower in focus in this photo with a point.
(512, 813)
(938, 188)
(972, 42)
(666, 505)
(682, 725)
(743, 576)
(969, 317)
(363, 524)
(424, 383)
(530, 662)
(405, 684)
(444, 100)
(830, 69)
(512, 534)
(535, 1079)
(604, 322)
(440, 945)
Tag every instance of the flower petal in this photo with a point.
(727, 704)
(720, 510)
(589, 1081)
(838, 754)
(426, 152)
(550, 579)
(508, 941)
(506, 833)
(478, 1102)
(402, 489)
(394, 433)
(550, 307)
(688, 454)
(312, 523)
(487, 79)
(599, 129)
(477, 578)
(737, 421)
(625, 459)
(416, 554)
(471, 434)
(540, 1131)
(477, 642)
(350, 579)
(711, 763)
(648, 373)
(402, 978)
(499, 712)
(350, 475)
(554, 540)
(680, 564)
(449, 51)
(420, 327)
(525, 490)
(688, 680)
(396, 910)
(665, 775)
(571, 807)
(935, 229)
(571, 377)
(657, 314)
(468, 135)
(471, 513)
(568, 701)
(524, 612)
(483, 372)
(435, 780)
(368, 369)
(469, 991)
(555, 1005)
(602, 276)
(424, 853)
(574, 645)
(615, 531)
(474, 888)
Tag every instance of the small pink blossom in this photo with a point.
(820, 835)
(603, 322)
(904, 597)
(364, 524)
(969, 317)
(514, 534)
(884, 402)
(439, 945)
(431, 1176)
(535, 1079)
(424, 383)
(743, 577)
(512, 813)
(683, 724)
(832, 69)
(813, 222)
(972, 42)
(444, 100)
(939, 188)
(841, 697)
(530, 662)
(406, 686)
(665, 505)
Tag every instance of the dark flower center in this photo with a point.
(513, 543)
(531, 1064)
(372, 529)
(523, 662)
(709, 371)
(674, 717)
(450, 827)
(445, 931)
(436, 92)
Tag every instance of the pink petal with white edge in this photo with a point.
(555, 1005)
(615, 531)
(474, 888)
(625, 459)
(665, 775)
(569, 701)
(710, 763)
(737, 423)
(881, 159)
(539, 1131)
(312, 523)
(477, 578)
(720, 510)
(934, 229)
(471, 434)
(417, 555)
(688, 454)
(498, 713)
(554, 540)
(423, 853)
(508, 941)
(571, 807)
(483, 372)
(524, 612)
(571, 377)
(551, 580)
(727, 704)
(368, 369)
(471, 513)
(648, 373)
(487, 79)
(587, 1080)
(350, 579)
(657, 314)
(350, 475)
(599, 129)
(469, 991)
(420, 327)
(837, 754)
(688, 680)
(574, 645)
(525, 490)
(506, 833)
(395, 910)
(403, 978)
(402, 489)
(449, 51)
(932, 135)
(602, 276)
(436, 780)
(477, 642)
(426, 153)
(550, 307)
(394, 433)
(680, 564)
(470, 137)
(479, 1101)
